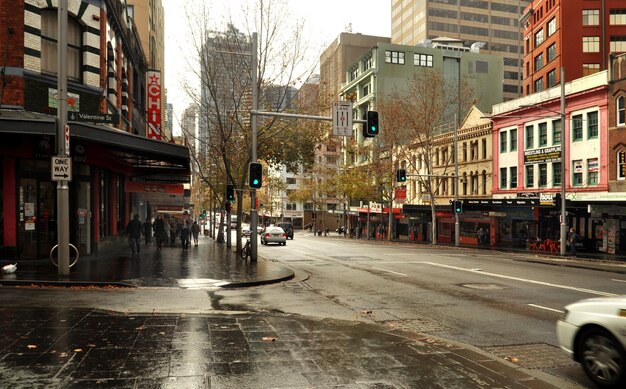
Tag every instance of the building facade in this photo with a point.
(495, 22)
(554, 29)
(117, 169)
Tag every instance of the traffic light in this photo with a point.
(401, 175)
(371, 126)
(255, 178)
(458, 206)
(557, 200)
(230, 192)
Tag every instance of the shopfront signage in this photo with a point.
(153, 82)
(503, 202)
(545, 155)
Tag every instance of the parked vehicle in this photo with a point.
(288, 227)
(593, 333)
(274, 235)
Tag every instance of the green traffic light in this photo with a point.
(255, 182)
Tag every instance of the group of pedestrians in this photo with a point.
(165, 233)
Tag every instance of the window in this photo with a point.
(617, 17)
(618, 44)
(366, 90)
(543, 134)
(464, 151)
(577, 128)
(551, 78)
(543, 175)
(354, 73)
(538, 38)
(331, 159)
(556, 174)
(394, 57)
(484, 148)
(551, 52)
(590, 68)
(551, 26)
(539, 85)
(513, 143)
(530, 137)
(621, 165)
(591, 44)
(591, 17)
(367, 64)
(530, 176)
(592, 125)
(503, 178)
(513, 177)
(425, 60)
(556, 132)
(49, 27)
(621, 111)
(503, 142)
(592, 171)
(482, 67)
(578, 172)
(539, 61)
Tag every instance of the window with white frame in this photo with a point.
(538, 38)
(513, 139)
(591, 44)
(543, 134)
(396, 57)
(503, 142)
(593, 170)
(552, 26)
(621, 111)
(367, 64)
(617, 17)
(621, 164)
(425, 60)
(577, 172)
(591, 17)
(530, 137)
(354, 73)
(592, 125)
(618, 44)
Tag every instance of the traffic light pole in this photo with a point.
(457, 223)
(254, 221)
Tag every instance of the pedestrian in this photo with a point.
(184, 235)
(134, 234)
(572, 239)
(195, 232)
(173, 232)
(480, 236)
(147, 231)
(159, 231)
(166, 238)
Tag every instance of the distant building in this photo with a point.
(495, 22)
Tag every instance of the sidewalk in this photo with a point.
(208, 264)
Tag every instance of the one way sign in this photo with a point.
(61, 169)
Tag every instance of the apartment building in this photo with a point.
(494, 22)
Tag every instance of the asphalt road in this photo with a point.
(499, 302)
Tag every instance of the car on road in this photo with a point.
(274, 235)
(288, 227)
(593, 333)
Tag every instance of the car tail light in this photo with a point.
(284, 236)
(267, 235)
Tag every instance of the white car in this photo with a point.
(274, 235)
(593, 333)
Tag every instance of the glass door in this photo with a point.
(37, 218)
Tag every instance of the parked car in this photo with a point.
(274, 235)
(288, 227)
(593, 333)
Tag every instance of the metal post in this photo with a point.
(63, 200)
(563, 165)
(457, 123)
(253, 124)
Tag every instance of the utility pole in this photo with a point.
(254, 222)
(63, 200)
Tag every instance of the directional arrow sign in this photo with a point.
(342, 118)
(61, 169)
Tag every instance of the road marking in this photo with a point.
(584, 290)
(389, 271)
(613, 279)
(546, 308)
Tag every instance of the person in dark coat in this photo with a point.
(134, 234)
(159, 231)
(184, 234)
(147, 231)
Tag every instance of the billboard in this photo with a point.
(153, 83)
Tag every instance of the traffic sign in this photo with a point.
(67, 140)
(61, 169)
(93, 117)
(342, 118)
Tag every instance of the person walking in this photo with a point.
(166, 239)
(173, 233)
(572, 239)
(184, 235)
(147, 231)
(195, 232)
(159, 231)
(134, 234)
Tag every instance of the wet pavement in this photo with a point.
(208, 264)
(83, 348)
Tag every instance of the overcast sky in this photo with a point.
(325, 20)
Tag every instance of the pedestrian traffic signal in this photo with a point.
(401, 175)
(255, 177)
(230, 192)
(458, 206)
(371, 126)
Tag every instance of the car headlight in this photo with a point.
(564, 315)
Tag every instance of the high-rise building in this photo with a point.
(494, 22)
(575, 34)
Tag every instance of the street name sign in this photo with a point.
(91, 117)
(61, 169)
(342, 118)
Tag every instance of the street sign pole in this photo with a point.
(63, 199)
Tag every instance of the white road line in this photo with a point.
(584, 290)
(389, 271)
(546, 308)
(613, 279)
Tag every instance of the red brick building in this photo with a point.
(575, 34)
